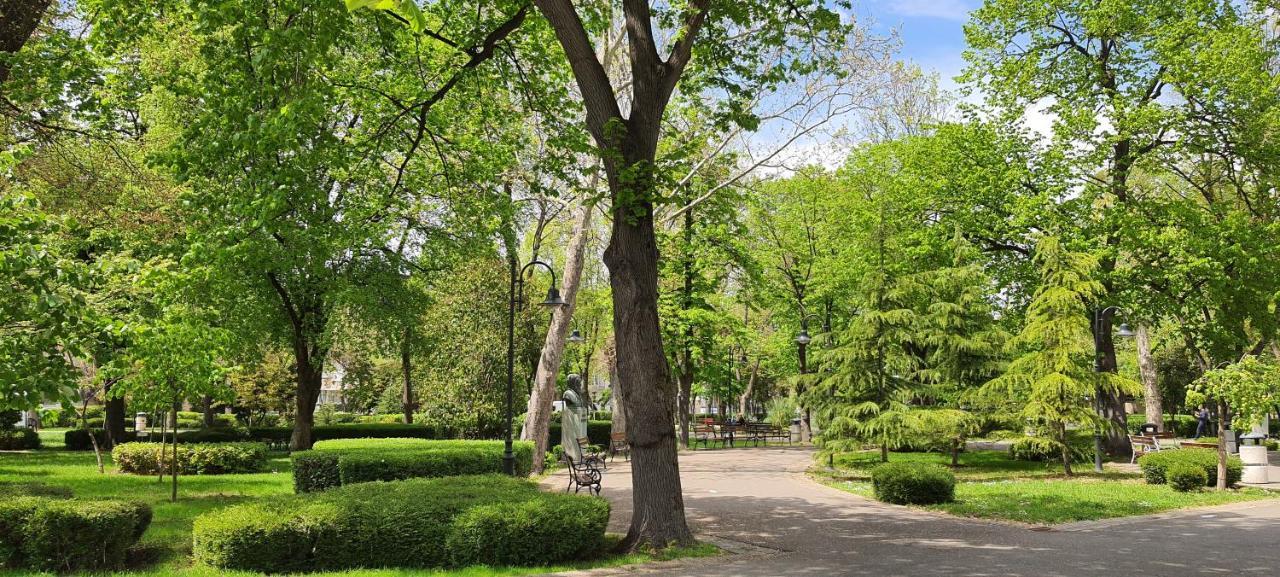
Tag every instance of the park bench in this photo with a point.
(618, 444)
(765, 432)
(1143, 444)
(591, 452)
(584, 474)
(705, 434)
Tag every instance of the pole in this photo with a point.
(509, 458)
(1097, 394)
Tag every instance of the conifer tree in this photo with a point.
(1051, 381)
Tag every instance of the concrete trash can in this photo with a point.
(1254, 458)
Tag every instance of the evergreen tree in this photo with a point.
(1052, 380)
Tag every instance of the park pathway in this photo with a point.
(791, 526)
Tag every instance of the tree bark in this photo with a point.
(619, 423)
(1111, 406)
(207, 407)
(1151, 400)
(406, 368)
(746, 394)
(1222, 446)
(18, 21)
(537, 421)
(1066, 449)
(113, 413)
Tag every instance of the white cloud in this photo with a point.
(957, 10)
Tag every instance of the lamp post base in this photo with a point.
(508, 463)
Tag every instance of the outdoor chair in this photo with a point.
(585, 474)
(618, 444)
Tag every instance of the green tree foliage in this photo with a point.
(44, 316)
(1051, 380)
(1249, 388)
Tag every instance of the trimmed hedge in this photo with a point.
(193, 458)
(913, 484)
(1155, 465)
(1185, 477)
(78, 439)
(597, 432)
(1183, 425)
(57, 533)
(418, 523)
(1049, 451)
(346, 461)
(19, 439)
(354, 431)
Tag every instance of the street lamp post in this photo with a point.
(1099, 316)
(517, 300)
(802, 344)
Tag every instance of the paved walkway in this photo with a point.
(761, 497)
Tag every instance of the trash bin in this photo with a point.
(1253, 454)
(1149, 429)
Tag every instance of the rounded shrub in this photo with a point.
(1050, 451)
(19, 439)
(347, 461)
(193, 458)
(1185, 477)
(417, 523)
(1155, 465)
(57, 533)
(913, 484)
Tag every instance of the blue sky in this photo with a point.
(932, 31)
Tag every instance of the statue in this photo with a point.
(573, 419)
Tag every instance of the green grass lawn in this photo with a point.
(993, 486)
(165, 548)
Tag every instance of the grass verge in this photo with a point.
(993, 486)
(165, 548)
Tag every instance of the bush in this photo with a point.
(417, 523)
(913, 484)
(597, 432)
(1183, 425)
(57, 533)
(1185, 477)
(19, 439)
(382, 419)
(347, 461)
(193, 458)
(221, 435)
(78, 439)
(354, 431)
(1049, 451)
(1155, 465)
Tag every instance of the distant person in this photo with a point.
(1202, 422)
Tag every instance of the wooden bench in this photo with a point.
(705, 434)
(618, 444)
(765, 432)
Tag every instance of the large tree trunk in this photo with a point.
(751, 385)
(207, 408)
(1151, 400)
(310, 372)
(114, 422)
(1222, 445)
(537, 421)
(408, 405)
(647, 388)
(1111, 406)
(18, 21)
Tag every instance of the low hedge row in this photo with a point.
(19, 439)
(1156, 465)
(354, 431)
(49, 531)
(78, 439)
(1183, 425)
(193, 458)
(418, 523)
(597, 431)
(913, 484)
(347, 461)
